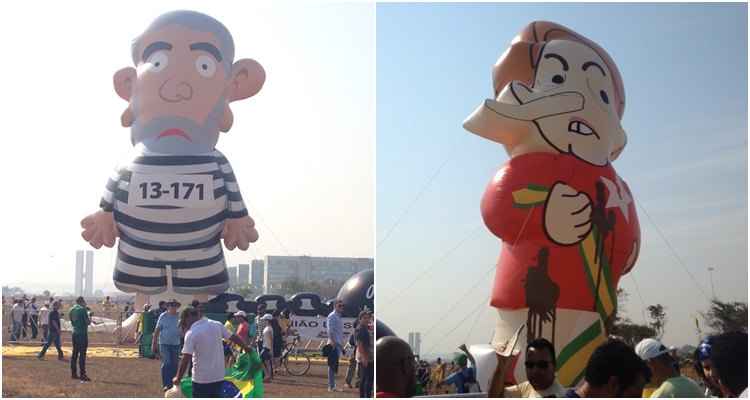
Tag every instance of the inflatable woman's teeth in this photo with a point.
(174, 201)
(566, 220)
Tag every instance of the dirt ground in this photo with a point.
(132, 377)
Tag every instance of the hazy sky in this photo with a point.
(303, 149)
(685, 73)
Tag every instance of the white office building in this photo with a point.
(279, 269)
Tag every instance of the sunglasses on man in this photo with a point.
(539, 364)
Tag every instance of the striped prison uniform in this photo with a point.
(185, 238)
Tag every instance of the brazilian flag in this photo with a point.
(243, 379)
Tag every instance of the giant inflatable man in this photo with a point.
(567, 221)
(177, 197)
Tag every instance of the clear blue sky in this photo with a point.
(685, 73)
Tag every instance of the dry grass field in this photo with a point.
(25, 376)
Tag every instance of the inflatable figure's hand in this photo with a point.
(99, 229)
(567, 215)
(239, 232)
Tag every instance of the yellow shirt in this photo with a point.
(527, 391)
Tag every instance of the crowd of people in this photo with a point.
(188, 343)
(360, 345)
(29, 319)
(614, 369)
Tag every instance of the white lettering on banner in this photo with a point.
(315, 327)
(192, 191)
(370, 292)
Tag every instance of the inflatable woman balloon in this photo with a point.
(177, 196)
(567, 221)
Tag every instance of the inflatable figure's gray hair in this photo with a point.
(195, 21)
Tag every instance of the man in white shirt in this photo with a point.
(44, 321)
(204, 347)
(17, 313)
(266, 353)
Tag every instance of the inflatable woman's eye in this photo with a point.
(157, 61)
(206, 66)
(558, 79)
(604, 96)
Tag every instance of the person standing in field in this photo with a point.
(53, 336)
(79, 318)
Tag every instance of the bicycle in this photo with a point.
(295, 362)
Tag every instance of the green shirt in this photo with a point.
(79, 318)
(679, 386)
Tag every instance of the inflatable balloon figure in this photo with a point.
(177, 197)
(567, 221)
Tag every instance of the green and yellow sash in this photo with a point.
(572, 359)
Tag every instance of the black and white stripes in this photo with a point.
(182, 235)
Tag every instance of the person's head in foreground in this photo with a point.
(364, 318)
(172, 306)
(666, 371)
(339, 307)
(729, 356)
(540, 363)
(188, 317)
(395, 369)
(81, 301)
(614, 370)
(658, 358)
(703, 366)
(240, 317)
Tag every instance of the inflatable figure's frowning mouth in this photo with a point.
(175, 132)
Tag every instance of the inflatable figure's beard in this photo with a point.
(179, 135)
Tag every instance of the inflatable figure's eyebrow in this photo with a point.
(154, 47)
(208, 48)
(558, 58)
(588, 64)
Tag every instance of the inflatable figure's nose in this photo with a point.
(175, 91)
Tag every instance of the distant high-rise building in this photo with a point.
(84, 277)
(78, 278)
(89, 272)
(232, 276)
(243, 274)
(279, 269)
(415, 342)
(257, 274)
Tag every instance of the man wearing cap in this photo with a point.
(665, 371)
(463, 377)
(243, 328)
(266, 353)
(167, 335)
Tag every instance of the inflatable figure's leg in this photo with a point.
(576, 335)
(198, 280)
(138, 275)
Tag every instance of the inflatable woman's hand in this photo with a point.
(239, 232)
(99, 229)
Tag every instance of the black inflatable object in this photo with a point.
(273, 302)
(382, 329)
(358, 293)
(305, 304)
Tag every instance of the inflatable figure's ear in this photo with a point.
(124, 80)
(227, 119)
(247, 79)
